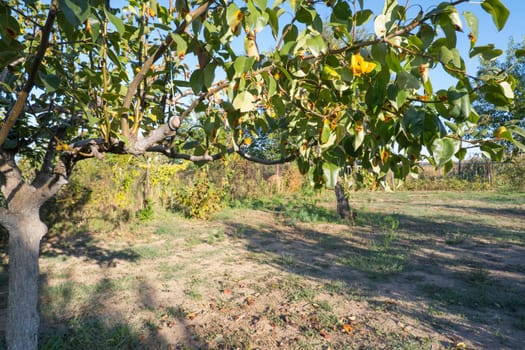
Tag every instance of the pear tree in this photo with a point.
(80, 79)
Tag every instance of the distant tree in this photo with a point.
(79, 79)
(504, 122)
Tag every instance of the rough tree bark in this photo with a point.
(21, 218)
(343, 206)
(25, 232)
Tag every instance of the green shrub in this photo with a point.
(200, 199)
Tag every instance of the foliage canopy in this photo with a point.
(187, 79)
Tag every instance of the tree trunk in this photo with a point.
(343, 206)
(25, 233)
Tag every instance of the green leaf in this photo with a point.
(493, 150)
(444, 149)
(244, 102)
(330, 174)
(329, 73)
(459, 104)
(270, 83)
(197, 81)
(273, 20)
(413, 122)
(316, 45)
(117, 22)
(461, 154)
(498, 11)
(363, 16)
(209, 75)
(325, 132)
(242, 65)
(75, 11)
(303, 165)
(450, 56)
(488, 52)
(51, 82)
(306, 15)
(496, 94)
(407, 81)
(520, 53)
(180, 43)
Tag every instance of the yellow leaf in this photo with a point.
(384, 155)
(359, 66)
(348, 328)
(498, 133)
(151, 12)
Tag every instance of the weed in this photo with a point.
(146, 213)
(164, 229)
(336, 287)
(239, 232)
(390, 223)
(151, 252)
(491, 295)
(177, 312)
(193, 294)
(287, 260)
(170, 271)
(478, 276)
(192, 241)
(455, 238)
(296, 289)
(433, 311)
(91, 334)
(378, 263)
(216, 236)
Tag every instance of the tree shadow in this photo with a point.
(92, 323)
(458, 281)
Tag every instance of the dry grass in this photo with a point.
(415, 271)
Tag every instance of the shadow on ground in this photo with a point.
(461, 286)
(449, 275)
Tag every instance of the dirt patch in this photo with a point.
(413, 271)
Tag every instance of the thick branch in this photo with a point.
(18, 108)
(11, 176)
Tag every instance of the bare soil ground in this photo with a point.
(413, 271)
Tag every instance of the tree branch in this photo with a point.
(18, 108)
(133, 87)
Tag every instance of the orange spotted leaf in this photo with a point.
(348, 328)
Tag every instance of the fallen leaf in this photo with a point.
(191, 315)
(227, 291)
(250, 301)
(348, 328)
(324, 334)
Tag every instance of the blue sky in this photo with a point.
(488, 34)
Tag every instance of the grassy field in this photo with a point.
(414, 270)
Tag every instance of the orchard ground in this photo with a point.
(414, 270)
